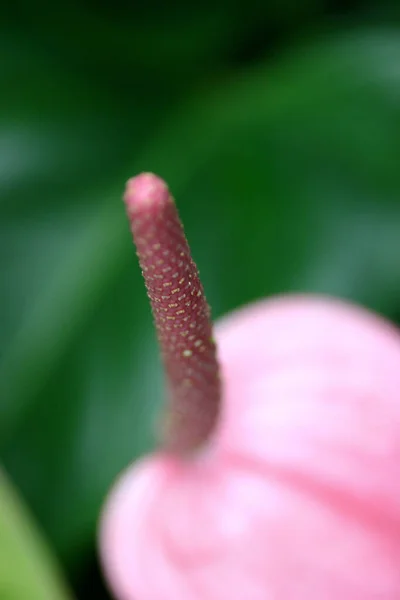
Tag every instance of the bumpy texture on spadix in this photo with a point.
(180, 310)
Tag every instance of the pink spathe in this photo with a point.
(297, 496)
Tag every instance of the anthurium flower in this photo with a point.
(284, 484)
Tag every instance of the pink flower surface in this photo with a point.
(297, 494)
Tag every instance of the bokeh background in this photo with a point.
(277, 126)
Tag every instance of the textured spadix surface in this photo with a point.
(180, 310)
(298, 496)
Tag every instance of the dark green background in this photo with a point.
(277, 126)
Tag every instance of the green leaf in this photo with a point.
(27, 569)
(155, 40)
(287, 179)
(57, 136)
(297, 166)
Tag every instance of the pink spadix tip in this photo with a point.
(181, 313)
(146, 191)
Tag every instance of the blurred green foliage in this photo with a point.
(27, 568)
(277, 127)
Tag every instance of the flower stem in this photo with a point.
(181, 314)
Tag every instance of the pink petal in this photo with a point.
(298, 496)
